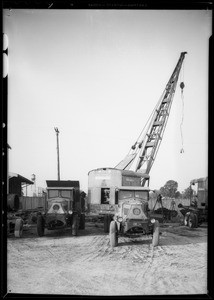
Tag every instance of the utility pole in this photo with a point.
(57, 141)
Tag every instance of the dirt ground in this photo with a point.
(59, 263)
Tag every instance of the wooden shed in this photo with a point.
(15, 183)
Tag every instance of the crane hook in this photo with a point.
(182, 85)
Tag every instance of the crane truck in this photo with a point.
(121, 194)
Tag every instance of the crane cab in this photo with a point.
(103, 184)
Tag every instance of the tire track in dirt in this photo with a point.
(87, 265)
(183, 270)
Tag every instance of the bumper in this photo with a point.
(56, 221)
(137, 227)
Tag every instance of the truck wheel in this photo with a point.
(75, 225)
(113, 234)
(196, 221)
(82, 221)
(186, 218)
(156, 233)
(192, 220)
(106, 223)
(40, 226)
(18, 228)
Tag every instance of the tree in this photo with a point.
(169, 189)
(177, 195)
(187, 193)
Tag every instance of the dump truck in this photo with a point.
(64, 207)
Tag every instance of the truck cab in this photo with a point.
(197, 212)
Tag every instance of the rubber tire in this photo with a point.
(40, 226)
(156, 233)
(75, 225)
(196, 221)
(186, 219)
(18, 228)
(192, 220)
(113, 234)
(107, 221)
(82, 221)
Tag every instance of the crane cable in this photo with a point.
(182, 119)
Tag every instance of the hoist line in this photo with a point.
(182, 98)
(182, 119)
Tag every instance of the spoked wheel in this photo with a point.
(18, 228)
(156, 233)
(40, 225)
(113, 234)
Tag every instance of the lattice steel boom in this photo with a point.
(145, 149)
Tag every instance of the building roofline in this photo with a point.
(22, 178)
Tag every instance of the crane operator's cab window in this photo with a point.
(105, 195)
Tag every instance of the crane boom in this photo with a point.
(148, 143)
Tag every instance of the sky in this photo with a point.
(97, 75)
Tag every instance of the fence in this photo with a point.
(31, 202)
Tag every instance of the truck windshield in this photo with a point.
(133, 194)
(59, 193)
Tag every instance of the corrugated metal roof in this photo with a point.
(62, 183)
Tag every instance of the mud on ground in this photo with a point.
(59, 263)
